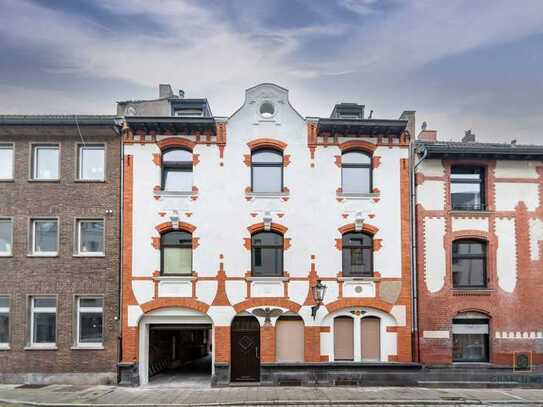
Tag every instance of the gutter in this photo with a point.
(413, 229)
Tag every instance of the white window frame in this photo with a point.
(6, 310)
(34, 167)
(33, 237)
(78, 243)
(80, 344)
(10, 252)
(80, 148)
(12, 148)
(42, 310)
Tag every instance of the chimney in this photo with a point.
(427, 135)
(469, 137)
(409, 115)
(165, 91)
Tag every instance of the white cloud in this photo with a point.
(359, 6)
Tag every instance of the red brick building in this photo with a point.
(479, 223)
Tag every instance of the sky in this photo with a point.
(461, 64)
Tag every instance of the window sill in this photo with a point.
(354, 278)
(87, 347)
(42, 255)
(472, 291)
(180, 277)
(6, 254)
(89, 181)
(4, 346)
(358, 196)
(41, 347)
(275, 195)
(45, 180)
(265, 278)
(89, 255)
(7, 180)
(186, 194)
(470, 211)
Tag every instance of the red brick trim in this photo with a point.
(221, 298)
(168, 227)
(259, 227)
(267, 143)
(312, 139)
(269, 301)
(176, 142)
(157, 159)
(366, 228)
(267, 344)
(312, 344)
(221, 138)
(358, 302)
(129, 334)
(376, 161)
(175, 302)
(221, 343)
(361, 145)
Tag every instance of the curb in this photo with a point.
(288, 403)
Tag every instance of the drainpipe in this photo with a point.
(414, 274)
(118, 126)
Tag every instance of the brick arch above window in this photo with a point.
(459, 310)
(190, 303)
(360, 145)
(168, 227)
(358, 302)
(267, 143)
(366, 228)
(259, 227)
(176, 142)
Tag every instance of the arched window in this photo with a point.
(267, 171)
(177, 170)
(267, 254)
(469, 263)
(357, 255)
(289, 339)
(176, 253)
(343, 338)
(356, 175)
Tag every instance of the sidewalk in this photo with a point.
(65, 395)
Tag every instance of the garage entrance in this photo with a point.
(180, 354)
(175, 348)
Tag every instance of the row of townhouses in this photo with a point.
(265, 247)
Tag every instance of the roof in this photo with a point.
(362, 127)
(56, 120)
(176, 124)
(504, 151)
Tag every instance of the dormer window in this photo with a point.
(189, 112)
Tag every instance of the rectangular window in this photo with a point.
(177, 179)
(470, 340)
(90, 316)
(90, 237)
(44, 321)
(467, 188)
(45, 237)
(45, 162)
(6, 162)
(469, 264)
(91, 163)
(177, 260)
(4, 320)
(6, 237)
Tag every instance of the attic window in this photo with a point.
(349, 115)
(267, 110)
(189, 113)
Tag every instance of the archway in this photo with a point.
(175, 348)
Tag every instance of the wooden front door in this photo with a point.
(371, 338)
(245, 350)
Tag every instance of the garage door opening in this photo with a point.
(180, 355)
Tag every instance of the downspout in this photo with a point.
(118, 126)
(413, 223)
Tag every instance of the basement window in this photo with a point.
(470, 338)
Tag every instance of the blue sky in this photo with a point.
(460, 64)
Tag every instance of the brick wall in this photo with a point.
(65, 276)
